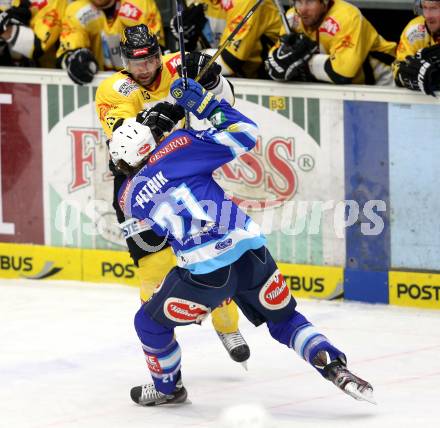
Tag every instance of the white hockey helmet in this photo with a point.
(131, 143)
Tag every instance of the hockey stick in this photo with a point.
(282, 16)
(179, 9)
(226, 43)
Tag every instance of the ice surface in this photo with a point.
(69, 356)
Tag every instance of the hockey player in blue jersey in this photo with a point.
(221, 252)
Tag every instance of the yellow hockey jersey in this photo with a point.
(85, 26)
(415, 36)
(255, 38)
(215, 12)
(45, 22)
(120, 97)
(355, 48)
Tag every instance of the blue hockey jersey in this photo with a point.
(176, 195)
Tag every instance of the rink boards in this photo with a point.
(18, 261)
(342, 182)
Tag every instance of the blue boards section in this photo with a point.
(367, 179)
(414, 186)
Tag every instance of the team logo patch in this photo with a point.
(177, 93)
(275, 294)
(329, 26)
(103, 109)
(222, 245)
(153, 363)
(51, 19)
(185, 311)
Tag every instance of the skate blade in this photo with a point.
(244, 364)
(366, 395)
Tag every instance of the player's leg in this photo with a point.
(162, 353)
(264, 296)
(152, 270)
(180, 300)
(225, 321)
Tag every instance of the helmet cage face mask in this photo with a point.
(131, 143)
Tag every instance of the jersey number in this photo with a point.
(166, 217)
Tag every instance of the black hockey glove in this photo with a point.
(161, 118)
(193, 19)
(195, 62)
(20, 15)
(418, 75)
(430, 54)
(81, 66)
(289, 60)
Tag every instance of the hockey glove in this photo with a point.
(430, 54)
(418, 75)
(193, 20)
(20, 15)
(81, 66)
(161, 118)
(289, 60)
(195, 61)
(195, 98)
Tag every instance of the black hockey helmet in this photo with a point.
(138, 42)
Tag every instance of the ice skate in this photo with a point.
(147, 395)
(337, 373)
(236, 346)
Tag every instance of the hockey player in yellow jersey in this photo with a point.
(30, 31)
(131, 94)
(91, 33)
(417, 65)
(331, 42)
(212, 21)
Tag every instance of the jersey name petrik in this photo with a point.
(150, 188)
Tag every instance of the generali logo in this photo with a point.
(265, 178)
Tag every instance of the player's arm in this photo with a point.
(212, 80)
(16, 32)
(264, 23)
(232, 129)
(47, 24)
(154, 21)
(74, 53)
(113, 108)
